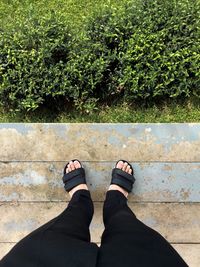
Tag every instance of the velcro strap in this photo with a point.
(74, 178)
(123, 179)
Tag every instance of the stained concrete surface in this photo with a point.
(166, 161)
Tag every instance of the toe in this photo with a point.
(72, 165)
(124, 166)
(77, 164)
(119, 164)
(69, 167)
(130, 171)
(127, 168)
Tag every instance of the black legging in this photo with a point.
(65, 240)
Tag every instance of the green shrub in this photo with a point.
(33, 58)
(143, 49)
(152, 48)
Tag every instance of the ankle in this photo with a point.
(76, 188)
(120, 189)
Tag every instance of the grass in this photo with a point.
(167, 111)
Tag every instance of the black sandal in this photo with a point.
(74, 177)
(122, 178)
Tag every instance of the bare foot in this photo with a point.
(70, 167)
(125, 167)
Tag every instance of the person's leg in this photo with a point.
(63, 241)
(127, 242)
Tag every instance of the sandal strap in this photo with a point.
(74, 178)
(123, 179)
